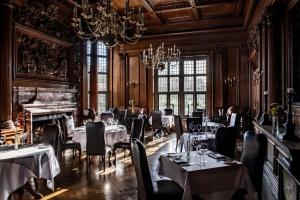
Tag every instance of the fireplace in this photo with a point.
(42, 106)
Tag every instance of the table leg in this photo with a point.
(35, 194)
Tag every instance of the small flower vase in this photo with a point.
(275, 124)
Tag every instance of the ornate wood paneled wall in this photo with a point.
(37, 50)
(271, 53)
(228, 55)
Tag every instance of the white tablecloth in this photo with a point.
(113, 134)
(213, 181)
(17, 166)
(166, 120)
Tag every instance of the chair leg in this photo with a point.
(103, 159)
(87, 164)
(79, 154)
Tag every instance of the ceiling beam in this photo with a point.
(194, 9)
(215, 3)
(151, 12)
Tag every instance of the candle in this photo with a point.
(266, 93)
(290, 90)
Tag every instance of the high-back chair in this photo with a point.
(156, 125)
(179, 130)
(66, 136)
(197, 114)
(148, 190)
(234, 120)
(95, 142)
(116, 113)
(51, 136)
(144, 117)
(226, 141)
(253, 156)
(106, 115)
(136, 131)
(168, 111)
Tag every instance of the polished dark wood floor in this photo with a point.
(118, 182)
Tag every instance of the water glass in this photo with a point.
(203, 150)
(198, 127)
(24, 138)
(2, 140)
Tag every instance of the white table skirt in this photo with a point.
(113, 134)
(213, 181)
(166, 120)
(17, 166)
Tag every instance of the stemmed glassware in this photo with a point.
(203, 150)
(2, 140)
(198, 127)
(192, 127)
(23, 138)
(195, 143)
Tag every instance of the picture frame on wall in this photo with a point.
(40, 56)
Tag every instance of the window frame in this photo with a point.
(181, 93)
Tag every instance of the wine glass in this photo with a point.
(24, 138)
(198, 127)
(2, 140)
(195, 143)
(192, 127)
(203, 150)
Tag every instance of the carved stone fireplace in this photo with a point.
(41, 106)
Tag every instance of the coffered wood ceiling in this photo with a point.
(177, 16)
(173, 16)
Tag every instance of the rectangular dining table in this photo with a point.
(213, 180)
(17, 166)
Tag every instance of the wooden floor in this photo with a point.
(118, 182)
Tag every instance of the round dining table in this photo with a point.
(18, 166)
(113, 134)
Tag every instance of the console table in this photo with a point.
(282, 167)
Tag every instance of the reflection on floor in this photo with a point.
(116, 183)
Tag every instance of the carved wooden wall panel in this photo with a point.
(40, 56)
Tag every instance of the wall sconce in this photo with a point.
(132, 83)
(231, 81)
(257, 76)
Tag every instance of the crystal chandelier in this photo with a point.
(106, 24)
(157, 60)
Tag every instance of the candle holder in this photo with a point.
(264, 120)
(289, 125)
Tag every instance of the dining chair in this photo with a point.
(234, 120)
(179, 131)
(156, 125)
(253, 157)
(68, 126)
(193, 121)
(168, 111)
(51, 134)
(135, 133)
(226, 141)
(66, 139)
(197, 114)
(148, 190)
(124, 120)
(116, 114)
(95, 143)
(106, 115)
(144, 117)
